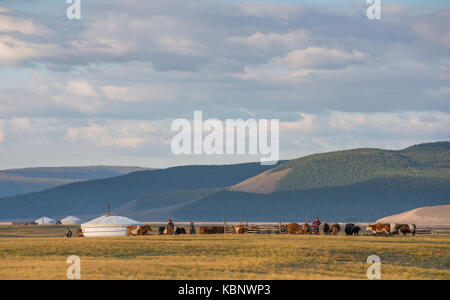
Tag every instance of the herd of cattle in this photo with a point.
(291, 228)
(351, 229)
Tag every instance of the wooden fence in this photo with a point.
(280, 228)
(432, 230)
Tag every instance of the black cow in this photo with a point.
(161, 230)
(351, 229)
(326, 229)
(180, 230)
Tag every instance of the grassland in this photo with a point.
(221, 256)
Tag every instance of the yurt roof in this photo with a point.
(71, 219)
(46, 220)
(112, 220)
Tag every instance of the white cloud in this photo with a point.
(21, 123)
(316, 58)
(335, 122)
(115, 92)
(14, 50)
(305, 124)
(294, 39)
(2, 135)
(122, 134)
(80, 88)
(180, 45)
(268, 10)
(12, 24)
(433, 33)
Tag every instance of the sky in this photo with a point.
(104, 90)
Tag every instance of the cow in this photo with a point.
(335, 228)
(404, 229)
(211, 229)
(351, 229)
(179, 230)
(138, 230)
(326, 229)
(161, 230)
(293, 228)
(239, 229)
(306, 229)
(380, 228)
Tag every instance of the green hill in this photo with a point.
(351, 185)
(359, 165)
(92, 197)
(359, 202)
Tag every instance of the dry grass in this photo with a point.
(223, 257)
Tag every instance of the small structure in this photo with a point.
(71, 220)
(108, 226)
(45, 221)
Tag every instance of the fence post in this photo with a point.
(224, 226)
(279, 226)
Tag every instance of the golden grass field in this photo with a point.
(38, 252)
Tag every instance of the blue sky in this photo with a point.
(105, 89)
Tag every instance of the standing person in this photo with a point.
(192, 228)
(170, 228)
(316, 225)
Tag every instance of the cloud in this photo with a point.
(80, 88)
(432, 28)
(10, 23)
(333, 78)
(390, 124)
(442, 92)
(115, 92)
(180, 45)
(305, 124)
(21, 123)
(123, 134)
(290, 40)
(316, 58)
(14, 50)
(2, 134)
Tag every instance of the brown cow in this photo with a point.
(306, 229)
(335, 228)
(138, 230)
(404, 229)
(326, 229)
(380, 228)
(239, 229)
(293, 228)
(211, 229)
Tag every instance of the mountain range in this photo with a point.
(20, 181)
(350, 185)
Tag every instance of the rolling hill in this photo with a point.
(20, 181)
(351, 185)
(430, 215)
(92, 197)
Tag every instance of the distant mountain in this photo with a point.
(351, 185)
(20, 181)
(92, 197)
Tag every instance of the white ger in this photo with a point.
(108, 226)
(71, 220)
(45, 221)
